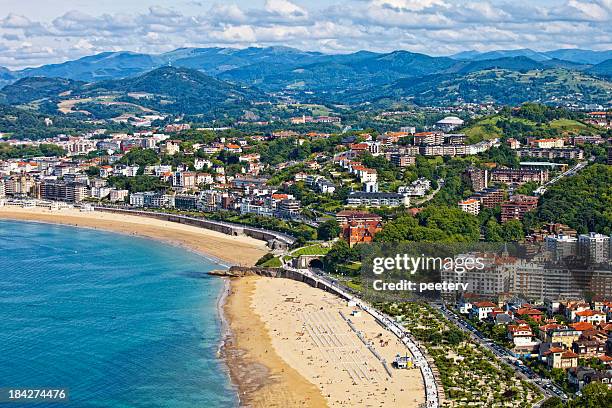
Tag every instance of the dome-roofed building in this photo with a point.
(449, 123)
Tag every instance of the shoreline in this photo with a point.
(168, 233)
(225, 333)
(219, 248)
(262, 378)
(275, 359)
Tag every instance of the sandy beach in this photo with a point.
(291, 347)
(288, 344)
(232, 250)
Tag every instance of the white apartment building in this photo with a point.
(118, 195)
(470, 206)
(596, 247)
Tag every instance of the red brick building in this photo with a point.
(358, 226)
(516, 208)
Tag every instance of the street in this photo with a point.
(545, 385)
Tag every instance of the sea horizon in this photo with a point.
(117, 320)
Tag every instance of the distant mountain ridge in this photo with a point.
(206, 81)
(574, 55)
(603, 69)
(165, 90)
(252, 62)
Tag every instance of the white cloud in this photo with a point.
(285, 8)
(431, 26)
(410, 5)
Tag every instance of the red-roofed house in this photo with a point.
(520, 334)
(558, 357)
(582, 326)
(527, 312)
(358, 226)
(481, 310)
(607, 360)
(590, 316)
(234, 148)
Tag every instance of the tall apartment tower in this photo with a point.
(479, 178)
(595, 247)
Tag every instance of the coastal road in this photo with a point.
(504, 356)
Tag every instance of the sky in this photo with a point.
(38, 32)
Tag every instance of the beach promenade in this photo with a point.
(324, 283)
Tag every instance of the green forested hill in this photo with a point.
(583, 201)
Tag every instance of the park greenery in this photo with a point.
(8, 151)
(470, 374)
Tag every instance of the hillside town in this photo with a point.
(306, 204)
(547, 314)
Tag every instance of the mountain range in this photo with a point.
(261, 63)
(577, 56)
(193, 80)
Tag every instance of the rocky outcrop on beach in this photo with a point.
(240, 271)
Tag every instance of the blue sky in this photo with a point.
(35, 32)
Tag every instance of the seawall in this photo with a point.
(275, 240)
(241, 271)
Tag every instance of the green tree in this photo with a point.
(339, 253)
(553, 402)
(137, 184)
(594, 395)
(328, 230)
(140, 157)
(582, 201)
(93, 171)
(512, 231)
(493, 232)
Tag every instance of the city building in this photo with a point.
(490, 197)
(544, 153)
(479, 178)
(481, 310)
(561, 246)
(558, 334)
(558, 357)
(289, 207)
(118, 195)
(58, 190)
(470, 206)
(358, 226)
(376, 199)
(449, 123)
(186, 202)
(580, 376)
(517, 207)
(403, 160)
(519, 176)
(594, 247)
(418, 188)
(171, 147)
(428, 138)
(547, 143)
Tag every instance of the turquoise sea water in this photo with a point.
(120, 321)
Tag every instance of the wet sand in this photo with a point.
(263, 379)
